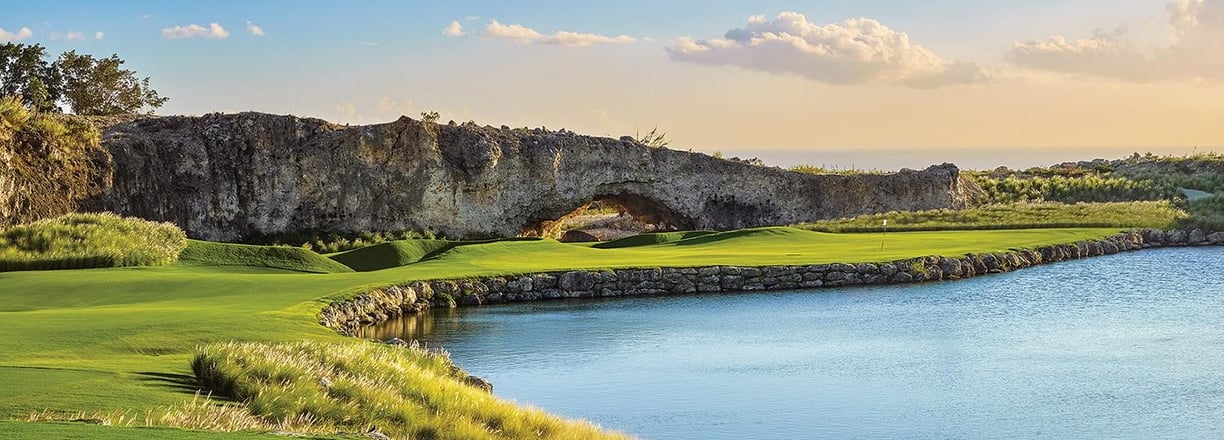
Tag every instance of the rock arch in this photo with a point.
(641, 208)
(225, 177)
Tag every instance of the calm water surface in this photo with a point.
(1124, 346)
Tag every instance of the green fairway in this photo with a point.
(83, 431)
(122, 338)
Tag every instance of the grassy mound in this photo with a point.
(391, 254)
(1161, 215)
(649, 239)
(205, 253)
(354, 386)
(80, 241)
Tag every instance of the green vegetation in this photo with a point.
(120, 341)
(391, 254)
(204, 253)
(649, 239)
(353, 386)
(1206, 213)
(80, 241)
(66, 430)
(1071, 189)
(653, 139)
(1162, 215)
(330, 242)
(86, 85)
(51, 163)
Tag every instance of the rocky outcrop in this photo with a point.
(378, 305)
(225, 177)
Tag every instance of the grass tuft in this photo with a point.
(80, 241)
(404, 392)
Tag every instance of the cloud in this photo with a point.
(524, 35)
(21, 34)
(213, 31)
(454, 29)
(857, 51)
(253, 29)
(99, 35)
(1194, 50)
(70, 36)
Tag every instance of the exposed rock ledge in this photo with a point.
(227, 177)
(387, 303)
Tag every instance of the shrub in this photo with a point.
(1014, 216)
(78, 241)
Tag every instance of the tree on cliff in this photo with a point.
(80, 82)
(94, 86)
(25, 73)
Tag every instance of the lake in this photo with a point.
(1121, 346)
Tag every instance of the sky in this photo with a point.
(841, 83)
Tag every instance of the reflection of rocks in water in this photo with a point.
(406, 327)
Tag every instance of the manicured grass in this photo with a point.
(204, 253)
(123, 338)
(85, 431)
(649, 239)
(390, 254)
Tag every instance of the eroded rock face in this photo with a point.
(224, 177)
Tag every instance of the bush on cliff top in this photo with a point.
(80, 241)
(1162, 215)
(357, 386)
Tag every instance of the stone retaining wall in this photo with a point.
(387, 303)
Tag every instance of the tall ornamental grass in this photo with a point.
(359, 386)
(81, 241)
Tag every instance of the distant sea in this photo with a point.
(892, 159)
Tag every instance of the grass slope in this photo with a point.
(649, 239)
(205, 253)
(390, 254)
(123, 338)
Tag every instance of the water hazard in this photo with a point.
(1122, 346)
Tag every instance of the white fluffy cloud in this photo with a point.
(857, 51)
(99, 35)
(254, 29)
(454, 29)
(524, 35)
(1195, 49)
(213, 31)
(21, 34)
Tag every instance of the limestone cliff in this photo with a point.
(224, 177)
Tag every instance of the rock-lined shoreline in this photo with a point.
(378, 305)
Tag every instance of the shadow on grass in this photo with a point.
(181, 382)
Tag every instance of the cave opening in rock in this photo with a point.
(609, 217)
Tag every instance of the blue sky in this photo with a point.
(931, 74)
